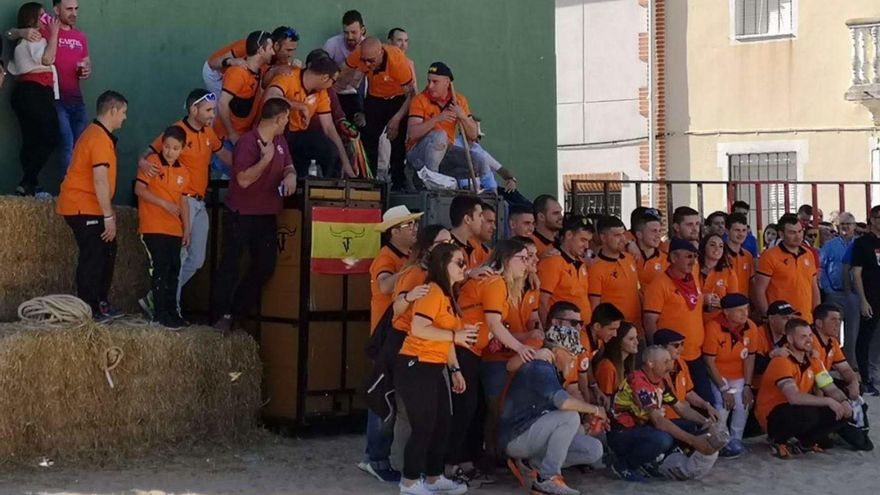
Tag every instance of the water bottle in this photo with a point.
(313, 168)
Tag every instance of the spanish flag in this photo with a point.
(344, 240)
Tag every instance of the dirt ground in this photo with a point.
(274, 465)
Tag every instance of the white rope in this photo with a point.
(54, 310)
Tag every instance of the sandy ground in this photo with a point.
(275, 465)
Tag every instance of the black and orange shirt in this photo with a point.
(584, 359)
(564, 278)
(791, 277)
(664, 298)
(542, 243)
(481, 252)
(470, 252)
(606, 377)
(729, 349)
(743, 265)
(195, 156)
(423, 107)
(411, 278)
(238, 48)
(390, 78)
(169, 184)
(829, 353)
(389, 261)
(616, 281)
(245, 88)
(96, 147)
(652, 266)
(806, 375)
(679, 384)
(437, 308)
(720, 283)
(478, 298)
(517, 322)
(292, 87)
(764, 343)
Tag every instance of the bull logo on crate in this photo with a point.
(347, 234)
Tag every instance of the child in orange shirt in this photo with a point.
(164, 226)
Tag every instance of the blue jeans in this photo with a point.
(193, 256)
(637, 446)
(71, 122)
(378, 443)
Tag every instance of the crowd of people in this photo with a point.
(557, 340)
(576, 341)
(264, 119)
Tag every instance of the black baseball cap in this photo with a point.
(782, 308)
(734, 300)
(441, 69)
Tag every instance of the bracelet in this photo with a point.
(108, 218)
(454, 369)
(225, 63)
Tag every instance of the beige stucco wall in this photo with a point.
(780, 93)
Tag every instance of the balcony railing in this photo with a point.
(865, 87)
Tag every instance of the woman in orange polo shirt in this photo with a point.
(410, 285)
(618, 359)
(421, 375)
(716, 275)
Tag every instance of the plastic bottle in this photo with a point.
(313, 168)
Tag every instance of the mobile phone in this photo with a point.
(45, 18)
(281, 190)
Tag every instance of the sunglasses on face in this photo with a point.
(292, 34)
(574, 323)
(677, 345)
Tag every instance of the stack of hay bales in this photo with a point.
(38, 255)
(170, 390)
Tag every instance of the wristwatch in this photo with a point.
(453, 369)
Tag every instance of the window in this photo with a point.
(586, 203)
(764, 19)
(778, 168)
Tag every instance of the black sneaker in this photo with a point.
(871, 390)
(172, 322)
(224, 324)
(109, 311)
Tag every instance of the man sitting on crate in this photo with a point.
(433, 149)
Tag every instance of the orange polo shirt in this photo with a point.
(96, 147)
(390, 78)
(246, 90)
(292, 87)
(169, 184)
(411, 278)
(784, 368)
(237, 47)
(517, 322)
(663, 298)
(478, 298)
(542, 243)
(652, 266)
(829, 354)
(743, 265)
(423, 107)
(437, 308)
(565, 279)
(389, 261)
(791, 277)
(584, 359)
(195, 156)
(729, 353)
(470, 252)
(606, 377)
(679, 382)
(616, 281)
(481, 252)
(719, 283)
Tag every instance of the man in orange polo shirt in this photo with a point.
(564, 276)
(613, 277)
(390, 89)
(651, 259)
(521, 221)
(741, 260)
(787, 271)
(790, 407)
(481, 242)
(242, 86)
(679, 381)
(164, 224)
(466, 218)
(548, 223)
(201, 144)
(284, 40)
(399, 227)
(85, 202)
(306, 90)
(674, 300)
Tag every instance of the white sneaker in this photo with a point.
(419, 488)
(445, 486)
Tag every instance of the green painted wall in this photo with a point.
(502, 53)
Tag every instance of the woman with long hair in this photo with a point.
(36, 89)
(717, 276)
(421, 377)
(770, 237)
(486, 303)
(618, 359)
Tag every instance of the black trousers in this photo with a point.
(256, 234)
(378, 112)
(307, 145)
(464, 409)
(425, 394)
(700, 376)
(867, 328)
(809, 424)
(96, 259)
(34, 106)
(164, 253)
(351, 104)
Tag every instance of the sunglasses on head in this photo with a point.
(205, 97)
(292, 34)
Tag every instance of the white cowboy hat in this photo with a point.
(397, 215)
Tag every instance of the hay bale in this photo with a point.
(171, 390)
(38, 255)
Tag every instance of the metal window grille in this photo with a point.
(586, 203)
(772, 167)
(764, 17)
